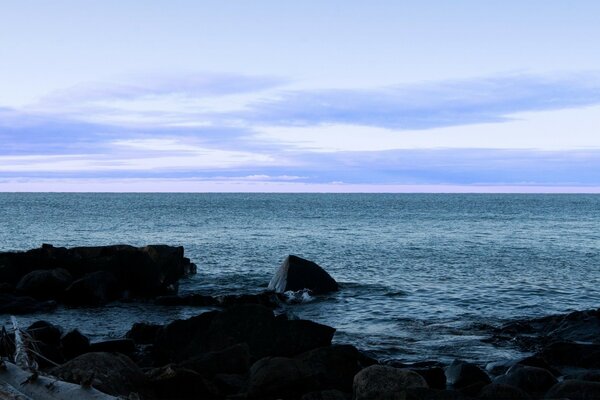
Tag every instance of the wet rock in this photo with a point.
(266, 299)
(143, 333)
(124, 346)
(279, 377)
(73, 344)
(496, 391)
(537, 361)
(172, 382)
(110, 373)
(383, 382)
(574, 390)
(572, 354)
(334, 367)
(17, 305)
(327, 395)
(232, 360)
(584, 375)
(45, 284)
(297, 274)
(533, 380)
(434, 376)
(466, 377)
(94, 289)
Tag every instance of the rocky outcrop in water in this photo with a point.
(296, 274)
(90, 275)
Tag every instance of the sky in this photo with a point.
(311, 96)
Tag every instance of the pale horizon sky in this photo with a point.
(335, 96)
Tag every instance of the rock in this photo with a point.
(45, 284)
(466, 377)
(124, 346)
(17, 305)
(584, 375)
(45, 332)
(572, 354)
(495, 391)
(574, 390)
(327, 395)
(297, 274)
(73, 344)
(194, 300)
(172, 382)
(110, 373)
(143, 333)
(334, 367)
(94, 289)
(537, 361)
(434, 376)
(383, 382)
(267, 299)
(230, 384)
(433, 394)
(279, 377)
(533, 380)
(232, 360)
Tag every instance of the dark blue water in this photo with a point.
(419, 271)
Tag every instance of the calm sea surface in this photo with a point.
(419, 272)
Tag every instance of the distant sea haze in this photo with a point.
(417, 271)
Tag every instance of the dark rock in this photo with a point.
(279, 377)
(584, 375)
(334, 367)
(572, 354)
(230, 384)
(433, 394)
(379, 382)
(143, 333)
(435, 376)
(465, 376)
(268, 299)
(45, 284)
(533, 380)
(297, 274)
(94, 289)
(574, 390)
(124, 346)
(232, 360)
(194, 300)
(296, 336)
(172, 382)
(110, 373)
(17, 305)
(73, 344)
(327, 395)
(496, 391)
(536, 361)
(45, 332)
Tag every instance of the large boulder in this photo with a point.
(279, 377)
(173, 382)
(574, 390)
(143, 333)
(45, 284)
(94, 289)
(46, 343)
(466, 377)
(298, 274)
(16, 305)
(572, 354)
(73, 344)
(232, 360)
(382, 382)
(533, 380)
(110, 373)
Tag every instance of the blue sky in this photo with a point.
(300, 96)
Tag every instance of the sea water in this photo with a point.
(420, 274)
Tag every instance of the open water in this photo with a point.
(420, 273)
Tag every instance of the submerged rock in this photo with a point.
(297, 274)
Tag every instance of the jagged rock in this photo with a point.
(73, 344)
(297, 274)
(17, 305)
(466, 377)
(334, 367)
(124, 346)
(533, 380)
(110, 373)
(279, 377)
(94, 289)
(574, 390)
(45, 284)
(497, 391)
(143, 333)
(572, 354)
(379, 382)
(171, 382)
(232, 360)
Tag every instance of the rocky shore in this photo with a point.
(248, 348)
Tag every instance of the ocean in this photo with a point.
(420, 273)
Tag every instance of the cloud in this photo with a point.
(428, 105)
